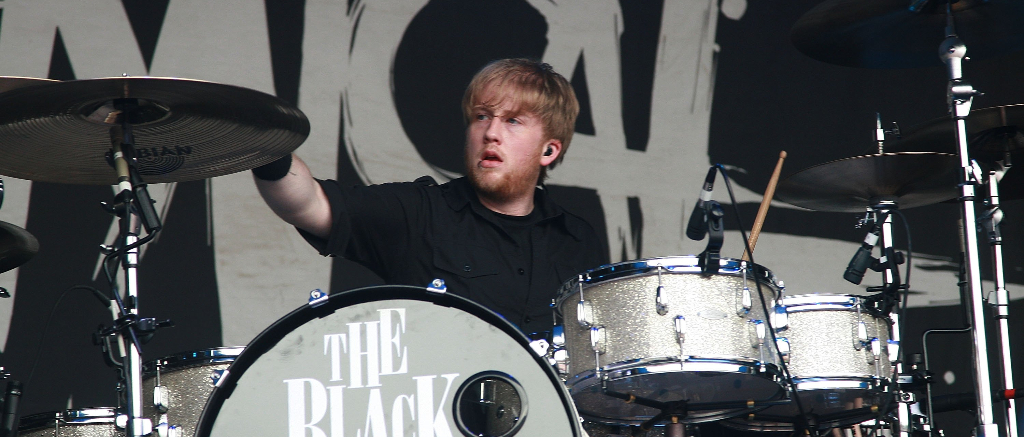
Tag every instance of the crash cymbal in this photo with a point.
(184, 129)
(850, 185)
(887, 34)
(17, 246)
(8, 83)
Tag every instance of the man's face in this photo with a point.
(504, 149)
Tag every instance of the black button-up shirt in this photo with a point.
(411, 233)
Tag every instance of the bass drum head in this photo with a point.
(390, 360)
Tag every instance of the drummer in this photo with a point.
(494, 236)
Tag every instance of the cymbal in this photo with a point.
(184, 129)
(887, 34)
(8, 83)
(991, 132)
(910, 179)
(17, 246)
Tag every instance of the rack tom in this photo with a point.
(659, 329)
(837, 349)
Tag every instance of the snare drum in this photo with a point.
(180, 384)
(390, 360)
(838, 355)
(85, 422)
(658, 329)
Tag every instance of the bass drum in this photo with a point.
(390, 360)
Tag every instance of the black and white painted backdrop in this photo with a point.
(667, 88)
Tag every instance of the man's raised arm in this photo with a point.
(291, 192)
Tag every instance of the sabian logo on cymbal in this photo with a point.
(154, 152)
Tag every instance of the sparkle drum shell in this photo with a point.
(390, 360)
(187, 379)
(705, 342)
(838, 357)
(85, 422)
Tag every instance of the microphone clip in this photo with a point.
(708, 260)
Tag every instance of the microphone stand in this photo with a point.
(989, 222)
(891, 288)
(960, 96)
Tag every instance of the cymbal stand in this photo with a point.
(960, 95)
(135, 210)
(989, 222)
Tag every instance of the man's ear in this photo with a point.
(552, 150)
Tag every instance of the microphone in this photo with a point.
(9, 419)
(862, 259)
(697, 227)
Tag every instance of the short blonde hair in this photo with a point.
(534, 88)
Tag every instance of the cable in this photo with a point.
(764, 306)
(49, 319)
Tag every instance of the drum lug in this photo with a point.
(121, 422)
(659, 302)
(161, 398)
(598, 339)
(745, 302)
(780, 319)
(558, 336)
(680, 325)
(560, 361)
(893, 348)
(783, 344)
(585, 313)
(876, 349)
(760, 332)
(862, 336)
(165, 430)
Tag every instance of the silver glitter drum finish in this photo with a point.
(180, 384)
(839, 359)
(86, 422)
(390, 361)
(658, 329)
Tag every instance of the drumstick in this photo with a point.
(763, 210)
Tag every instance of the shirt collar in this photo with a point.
(459, 194)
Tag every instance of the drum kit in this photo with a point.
(653, 346)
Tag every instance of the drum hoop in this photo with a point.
(270, 336)
(671, 264)
(192, 358)
(76, 416)
(830, 302)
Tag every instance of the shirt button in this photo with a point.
(521, 271)
(527, 320)
(466, 268)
